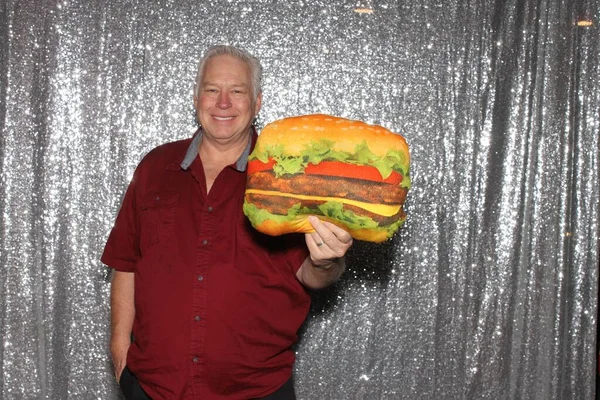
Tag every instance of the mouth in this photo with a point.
(223, 118)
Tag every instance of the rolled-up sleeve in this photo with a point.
(122, 250)
(296, 251)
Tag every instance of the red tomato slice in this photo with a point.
(259, 166)
(366, 172)
(334, 168)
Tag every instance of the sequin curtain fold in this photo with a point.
(489, 291)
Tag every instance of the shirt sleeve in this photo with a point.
(122, 250)
(296, 251)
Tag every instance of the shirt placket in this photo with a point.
(207, 223)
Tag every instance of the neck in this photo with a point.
(222, 153)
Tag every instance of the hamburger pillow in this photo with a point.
(350, 173)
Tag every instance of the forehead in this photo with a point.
(226, 68)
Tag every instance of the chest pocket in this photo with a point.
(157, 222)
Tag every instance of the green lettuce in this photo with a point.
(331, 209)
(323, 150)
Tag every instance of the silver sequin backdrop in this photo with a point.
(489, 291)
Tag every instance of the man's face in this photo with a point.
(225, 106)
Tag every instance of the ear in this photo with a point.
(195, 102)
(258, 103)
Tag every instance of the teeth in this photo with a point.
(223, 118)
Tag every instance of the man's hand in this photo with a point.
(328, 246)
(118, 350)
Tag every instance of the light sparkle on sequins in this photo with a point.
(496, 134)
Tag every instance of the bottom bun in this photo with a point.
(266, 220)
(300, 224)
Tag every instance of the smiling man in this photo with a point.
(203, 306)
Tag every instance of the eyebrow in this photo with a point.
(245, 85)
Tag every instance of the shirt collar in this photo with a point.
(192, 152)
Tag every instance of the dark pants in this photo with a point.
(286, 392)
(133, 391)
(131, 387)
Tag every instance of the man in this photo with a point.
(212, 305)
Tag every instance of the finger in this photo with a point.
(315, 242)
(328, 232)
(322, 234)
(342, 234)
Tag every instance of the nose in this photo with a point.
(223, 101)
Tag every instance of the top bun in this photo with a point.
(295, 132)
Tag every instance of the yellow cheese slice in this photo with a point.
(381, 209)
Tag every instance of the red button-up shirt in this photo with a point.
(217, 304)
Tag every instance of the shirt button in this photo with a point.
(195, 359)
(197, 318)
(210, 209)
(205, 242)
(200, 277)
